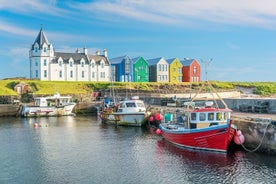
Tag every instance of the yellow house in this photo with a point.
(175, 70)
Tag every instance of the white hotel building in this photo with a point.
(48, 65)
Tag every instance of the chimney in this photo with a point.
(105, 53)
(85, 50)
(78, 50)
(97, 53)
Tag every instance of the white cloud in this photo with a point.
(33, 6)
(243, 12)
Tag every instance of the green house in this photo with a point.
(140, 70)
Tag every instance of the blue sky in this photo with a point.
(239, 36)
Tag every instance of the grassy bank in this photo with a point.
(50, 87)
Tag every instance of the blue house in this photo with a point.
(121, 69)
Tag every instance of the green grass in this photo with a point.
(50, 87)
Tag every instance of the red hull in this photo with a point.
(215, 139)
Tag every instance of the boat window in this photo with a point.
(193, 116)
(140, 105)
(211, 116)
(122, 105)
(202, 116)
(219, 116)
(130, 104)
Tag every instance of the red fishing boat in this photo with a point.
(206, 128)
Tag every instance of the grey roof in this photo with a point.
(118, 60)
(75, 56)
(98, 58)
(41, 39)
(154, 61)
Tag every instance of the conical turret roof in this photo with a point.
(41, 39)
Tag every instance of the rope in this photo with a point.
(246, 149)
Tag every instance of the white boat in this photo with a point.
(49, 106)
(128, 112)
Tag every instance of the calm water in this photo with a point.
(82, 150)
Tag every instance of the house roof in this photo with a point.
(99, 58)
(154, 61)
(171, 60)
(187, 62)
(41, 39)
(66, 56)
(118, 60)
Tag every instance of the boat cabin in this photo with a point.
(131, 106)
(55, 100)
(206, 117)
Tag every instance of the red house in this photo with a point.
(190, 70)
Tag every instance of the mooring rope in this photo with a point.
(246, 149)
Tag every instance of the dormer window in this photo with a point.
(102, 64)
(44, 49)
(82, 64)
(36, 49)
(71, 64)
(92, 65)
(60, 63)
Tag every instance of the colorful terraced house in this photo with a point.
(140, 70)
(158, 70)
(175, 70)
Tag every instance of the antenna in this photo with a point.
(206, 64)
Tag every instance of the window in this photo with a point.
(159, 77)
(36, 49)
(163, 68)
(71, 63)
(211, 116)
(195, 69)
(82, 64)
(45, 73)
(202, 116)
(44, 49)
(174, 69)
(93, 74)
(166, 67)
(92, 65)
(138, 77)
(82, 74)
(60, 74)
(36, 73)
(193, 116)
(180, 70)
(36, 63)
(159, 67)
(102, 64)
(71, 74)
(45, 62)
(179, 79)
(60, 63)
(219, 116)
(102, 75)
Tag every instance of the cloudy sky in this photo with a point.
(238, 36)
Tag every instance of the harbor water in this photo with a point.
(81, 149)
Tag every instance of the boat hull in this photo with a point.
(127, 119)
(33, 111)
(216, 138)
